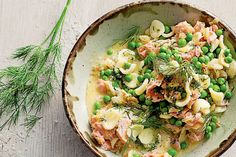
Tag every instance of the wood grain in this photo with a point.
(28, 21)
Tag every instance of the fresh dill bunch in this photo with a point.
(25, 88)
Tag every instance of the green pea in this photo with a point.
(167, 29)
(128, 78)
(223, 88)
(102, 73)
(210, 55)
(204, 49)
(105, 78)
(178, 123)
(142, 97)
(218, 50)
(227, 52)
(168, 56)
(164, 110)
(208, 129)
(162, 104)
(106, 98)
(183, 145)
(172, 152)
(228, 59)
(208, 46)
(216, 88)
(189, 36)
(178, 58)
(201, 59)
(175, 51)
(109, 51)
(182, 42)
(172, 120)
(221, 80)
(207, 59)
(148, 71)
(115, 84)
(97, 106)
(108, 72)
(214, 119)
(147, 76)
(131, 45)
(211, 85)
(213, 125)
(162, 55)
(148, 102)
(183, 95)
(140, 78)
(228, 95)
(198, 65)
(138, 44)
(208, 135)
(219, 32)
(163, 49)
(194, 60)
(127, 65)
(213, 81)
(136, 155)
(203, 94)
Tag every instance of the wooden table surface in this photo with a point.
(29, 21)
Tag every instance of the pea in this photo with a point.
(223, 88)
(218, 50)
(219, 32)
(203, 94)
(97, 106)
(148, 71)
(204, 49)
(102, 73)
(213, 81)
(183, 145)
(208, 46)
(115, 84)
(105, 78)
(201, 59)
(175, 51)
(172, 120)
(228, 59)
(178, 58)
(228, 95)
(194, 60)
(148, 102)
(127, 65)
(109, 51)
(131, 45)
(167, 29)
(208, 129)
(162, 55)
(183, 95)
(140, 78)
(210, 55)
(162, 104)
(106, 98)
(207, 59)
(221, 80)
(108, 72)
(216, 88)
(172, 152)
(178, 123)
(198, 65)
(214, 119)
(136, 155)
(227, 52)
(213, 125)
(168, 56)
(138, 44)
(163, 49)
(164, 110)
(128, 78)
(142, 98)
(189, 36)
(208, 135)
(147, 76)
(182, 42)
(211, 85)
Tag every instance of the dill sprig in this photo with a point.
(24, 89)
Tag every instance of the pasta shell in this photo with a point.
(185, 101)
(201, 105)
(222, 45)
(168, 35)
(196, 37)
(136, 130)
(134, 82)
(217, 97)
(128, 71)
(220, 109)
(111, 118)
(157, 28)
(204, 80)
(147, 136)
(141, 89)
(222, 59)
(144, 38)
(231, 71)
(214, 44)
(214, 64)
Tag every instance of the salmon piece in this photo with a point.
(189, 55)
(195, 136)
(183, 27)
(199, 26)
(214, 28)
(121, 131)
(175, 129)
(152, 94)
(101, 86)
(175, 143)
(194, 97)
(146, 48)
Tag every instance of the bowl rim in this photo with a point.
(224, 145)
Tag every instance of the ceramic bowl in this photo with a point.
(114, 25)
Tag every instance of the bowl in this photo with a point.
(114, 25)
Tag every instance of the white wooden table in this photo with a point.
(29, 21)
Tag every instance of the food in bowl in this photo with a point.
(161, 92)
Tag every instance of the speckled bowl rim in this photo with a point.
(81, 42)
